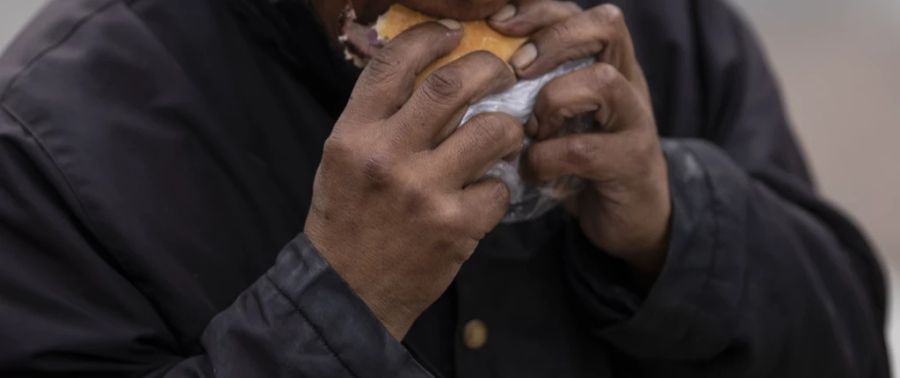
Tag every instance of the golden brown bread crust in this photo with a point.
(477, 35)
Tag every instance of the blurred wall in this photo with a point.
(13, 14)
(839, 63)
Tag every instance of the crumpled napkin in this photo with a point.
(528, 201)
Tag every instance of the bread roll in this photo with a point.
(477, 35)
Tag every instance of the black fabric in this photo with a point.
(291, 32)
(156, 160)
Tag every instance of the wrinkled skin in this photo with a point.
(626, 209)
(396, 208)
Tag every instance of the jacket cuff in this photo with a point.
(693, 304)
(341, 319)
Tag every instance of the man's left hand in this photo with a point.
(626, 207)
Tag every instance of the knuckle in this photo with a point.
(385, 66)
(644, 149)
(479, 127)
(378, 170)
(571, 7)
(477, 234)
(497, 203)
(462, 248)
(488, 127)
(513, 133)
(648, 145)
(552, 96)
(605, 76)
(611, 14)
(445, 213)
(500, 193)
(491, 207)
(337, 149)
(493, 64)
(563, 31)
(336, 146)
(579, 152)
(443, 84)
(416, 199)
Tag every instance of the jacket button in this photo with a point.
(475, 334)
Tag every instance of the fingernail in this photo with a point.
(525, 56)
(450, 24)
(505, 13)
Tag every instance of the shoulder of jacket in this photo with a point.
(78, 58)
(52, 28)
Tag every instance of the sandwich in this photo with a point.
(527, 200)
(362, 42)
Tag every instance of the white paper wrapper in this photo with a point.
(529, 201)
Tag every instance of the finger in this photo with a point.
(388, 80)
(592, 156)
(532, 127)
(450, 127)
(526, 19)
(601, 89)
(447, 91)
(599, 30)
(483, 141)
(485, 203)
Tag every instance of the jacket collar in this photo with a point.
(290, 30)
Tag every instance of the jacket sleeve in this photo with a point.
(66, 307)
(763, 278)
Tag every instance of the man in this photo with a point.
(165, 212)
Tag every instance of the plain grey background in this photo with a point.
(839, 63)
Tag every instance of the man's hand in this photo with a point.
(396, 208)
(626, 208)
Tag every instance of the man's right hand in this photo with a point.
(397, 206)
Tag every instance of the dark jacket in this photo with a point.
(156, 159)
